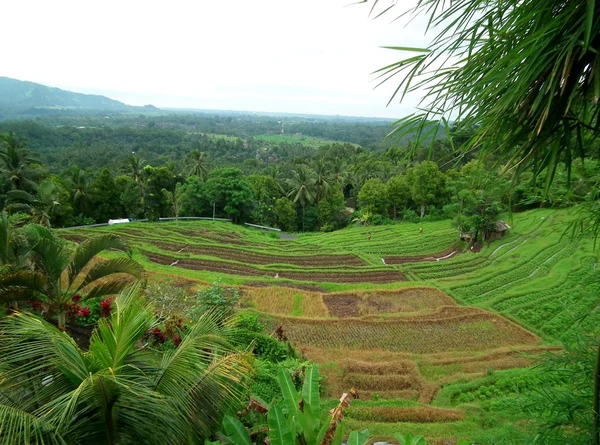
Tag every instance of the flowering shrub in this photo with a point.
(106, 307)
(159, 335)
(84, 312)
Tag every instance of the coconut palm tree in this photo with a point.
(42, 206)
(301, 186)
(80, 188)
(59, 273)
(322, 185)
(135, 165)
(16, 277)
(17, 163)
(116, 392)
(338, 173)
(199, 164)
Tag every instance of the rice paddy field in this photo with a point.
(436, 339)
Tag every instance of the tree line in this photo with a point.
(335, 185)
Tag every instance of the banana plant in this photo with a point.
(296, 418)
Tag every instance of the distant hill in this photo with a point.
(21, 98)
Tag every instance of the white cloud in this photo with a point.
(311, 56)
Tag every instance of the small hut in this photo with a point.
(500, 230)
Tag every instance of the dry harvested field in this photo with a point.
(378, 311)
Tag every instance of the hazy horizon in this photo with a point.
(309, 57)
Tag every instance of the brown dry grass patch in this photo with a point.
(469, 331)
(280, 300)
(251, 257)
(363, 303)
(393, 414)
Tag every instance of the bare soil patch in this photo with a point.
(422, 258)
(243, 256)
(211, 266)
(236, 269)
(346, 277)
(342, 306)
(355, 304)
(75, 238)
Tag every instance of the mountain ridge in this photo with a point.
(25, 98)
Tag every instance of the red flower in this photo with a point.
(84, 312)
(159, 335)
(76, 298)
(106, 307)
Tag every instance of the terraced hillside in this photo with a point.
(405, 317)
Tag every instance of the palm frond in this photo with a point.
(92, 247)
(115, 338)
(111, 286)
(110, 267)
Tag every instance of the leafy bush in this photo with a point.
(265, 347)
(410, 216)
(217, 297)
(248, 321)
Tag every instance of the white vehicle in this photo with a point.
(118, 221)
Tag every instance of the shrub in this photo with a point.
(266, 348)
(248, 321)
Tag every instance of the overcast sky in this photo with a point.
(298, 56)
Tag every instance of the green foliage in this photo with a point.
(263, 346)
(105, 197)
(427, 184)
(216, 298)
(231, 191)
(54, 392)
(399, 194)
(286, 215)
(373, 196)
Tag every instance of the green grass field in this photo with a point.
(434, 346)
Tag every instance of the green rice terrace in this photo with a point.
(435, 338)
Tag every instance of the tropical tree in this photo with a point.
(398, 192)
(337, 170)
(199, 164)
(298, 417)
(301, 186)
(16, 277)
(175, 198)
(135, 166)
(80, 188)
(42, 206)
(373, 197)
(229, 189)
(322, 186)
(519, 77)
(60, 274)
(427, 184)
(17, 163)
(116, 392)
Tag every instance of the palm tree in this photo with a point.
(16, 278)
(199, 164)
(80, 188)
(321, 186)
(116, 392)
(41, 206)
(301, 187)
(135, 165)
(60, 274)
(274, 171)
(338, 173)
(17, 163)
